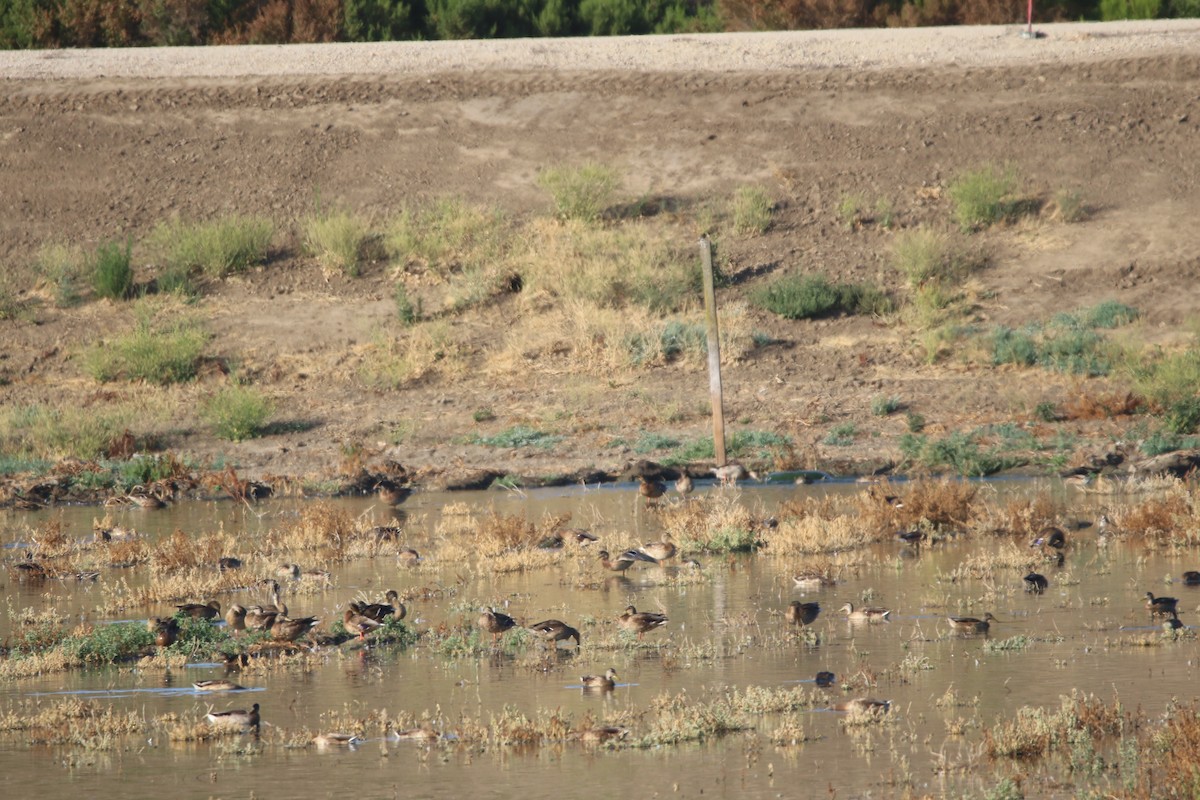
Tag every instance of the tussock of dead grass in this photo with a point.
(1019, 516)
(510, 543)
(820, 525)
(1038, 731)
(76, 722)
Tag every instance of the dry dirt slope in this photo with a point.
(94, 145)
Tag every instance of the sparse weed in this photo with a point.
(1068, 206)
(752, 210)
(163, 348)
(111, 268)
(811, 296)
(982, 197)
(337, 239)
(64, 268)
(448, 237)
(960, 452)
(581, 193)
(882, 406)
(518, 436)
(841, 435)
(238, 412)
(850, 210)
(218, 248)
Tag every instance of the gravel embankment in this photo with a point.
(979, 46)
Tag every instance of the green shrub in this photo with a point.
(674, 340)
(752, 210)
(812, 296)
(111, 269)
(930, 258)
(914, 422)
(841, 435)
(337, 239)
(106, 644)
(238, 412)
(850, 210)
(158, 352)
(649, 442)
(1112, 10)
(739, 444)
(406, 311)
(231, 244)
(583, 193)
(518, 436)
(63, 267)
(982, 197)
(65, 431)
(959, 452)
(1109, 314)
(883, 406)
(1013, 347)
(1169, 381)
(447, 237)
(1069, 203)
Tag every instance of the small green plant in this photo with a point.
(927, 257)
(218, 248)
(914, 422)
(111, 268)
(237, 412)
(162, 352)
(518, 436)
(63, 267)
(1112, 10)
(649, 442)
(752, 210)
(885, 213)
(40, 431)
(447, 237)
(841, 435)
(1046, 412)
(583, 193)
(884, 406)
(813, 296)
(982, 197)
(1068, 204)
(850, 210)
(1109, 314)
(1169, 382)
(406, 311)
(337, 239)
(483, 415)
(958, 451)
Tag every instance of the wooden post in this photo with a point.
(714, 351)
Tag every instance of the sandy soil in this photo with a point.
(104, 143)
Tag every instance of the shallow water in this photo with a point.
(725, 631)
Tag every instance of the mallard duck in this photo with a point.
(1191, 578)
(650, 488)
(236, 718)
(228, 562)
(166, 631)
(1050, 537)
(799, 613)
(811, 580)
(142, 497)
(863, 705)
(217, 686)
(276, 606)
(618, 564)
(256, 619)
(641, 621)
(495, 623)
(387, 533)
(209, 610)
(337, 740)
(288, 571)
(235, 617)
(30, 571)
(556, 540)
(407, 556)
(555, 631)
(1173, 624)
(730, 474)
(358, 625)
(659, 551)
(825, 679)
(972, 624)
(1160, 606)
(286, 629)
(392, 494)
(914, 537)
(606, 681)
(381, 611)
(684, 484)
(865, 614)
(1036, 583)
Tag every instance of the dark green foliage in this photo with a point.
(377, 20)
(108, 643)
(1013, 347)
(958, 452)
(812, 296)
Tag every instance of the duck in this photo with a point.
(495, 623)
(288, 571)
(236, 718)
(1050, 536)
(30, 571)
(142, 497)
(600, 734)
(1035, 583)
(730, 474)
(257, 619)
(659, 551)
(381, 611)
(972, 624)
(228, 562)
(390, 493)
(913, 537)
(275, 606)
(286, 629)
(605, 682)
(235, 617)
(235, 661)
(799, 613)
(359, 625)
(555, 631)
(863, 705)
(1160, 606)
(811, 580)
(865, 614)
(208, 610)
(622, 562)
(1191, 578)
(337, 740)
(166, 631)
(684, 484)
(1173, 624)
(639, 622)
(825, 679)
(217, 686)
(650, 488)
(407, 556)
(556, 540)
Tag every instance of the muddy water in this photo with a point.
(725, 631)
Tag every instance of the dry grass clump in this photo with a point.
(510, 543)
(1037, 731)
(942, 504)
(413, 354)
(1168, 520)
(1101, 406)
(75, 722)
(717, 522)
(820, 525)
(1019, 516)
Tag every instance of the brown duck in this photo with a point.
(641, 621)
(554, 631)
(495, 623)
